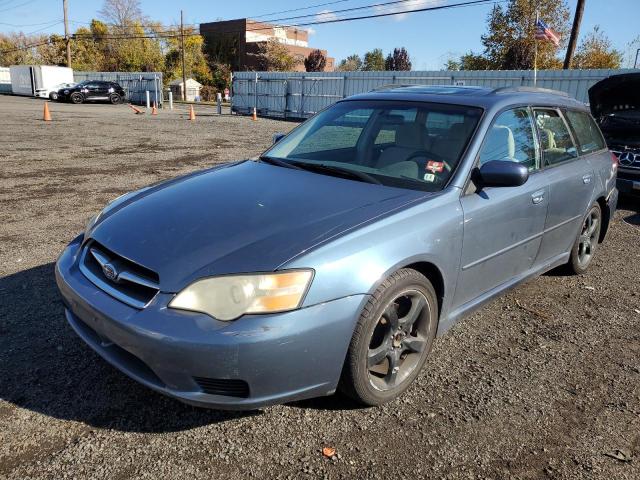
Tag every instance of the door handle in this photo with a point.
(537, 197)
(586, 179)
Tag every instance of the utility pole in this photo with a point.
(184, 70)
(67, 39)
(575, 30)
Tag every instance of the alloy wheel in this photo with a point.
(398, 340)
(588, 238)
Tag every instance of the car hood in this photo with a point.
(238, 218)
(608, 95)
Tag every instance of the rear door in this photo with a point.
(503, 226)
(570, 178)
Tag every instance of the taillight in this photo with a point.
(615, 160)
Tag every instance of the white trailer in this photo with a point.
(38, 80)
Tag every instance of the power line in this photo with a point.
(170, 34)
(17, 6)
(174, 34)
(27, 24)
(299, 9)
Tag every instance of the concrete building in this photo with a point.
(240, 42)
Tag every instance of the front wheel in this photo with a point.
(392, 339)
(53, 96)
(77, 98)
(587, 242)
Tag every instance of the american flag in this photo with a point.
(543, 32)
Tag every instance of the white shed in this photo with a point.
(193, 89)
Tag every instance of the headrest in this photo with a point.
(500, 144)
(409, 135)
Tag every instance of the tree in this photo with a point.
(509, 43)
(276, 57)
(595, 51)
(121, 12)
(374, 60)
(352, 63)
(196, 64)
(398, 60)
(315, 62)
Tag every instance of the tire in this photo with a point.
(586, 242)
(115, 99)
(385, 337)
(53, 96)
(76, 98)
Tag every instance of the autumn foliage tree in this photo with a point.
(352, 63)
(276, 57)
(315, 62)
(509, 43)
(595, 51)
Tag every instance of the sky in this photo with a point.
(430, 37)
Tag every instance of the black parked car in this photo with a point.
(615, 103)
(92, 91)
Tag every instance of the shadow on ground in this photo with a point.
(46, 368)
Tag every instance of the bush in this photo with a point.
(208, 93)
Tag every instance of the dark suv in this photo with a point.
(93, 91)
(615, 103)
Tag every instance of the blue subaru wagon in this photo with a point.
(334, 259)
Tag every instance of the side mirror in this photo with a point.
(277, 137)
(502, 173)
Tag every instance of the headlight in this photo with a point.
(229, 297)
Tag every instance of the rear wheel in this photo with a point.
(77, 98)
(114, 98)
(587, 242)
(392, 339)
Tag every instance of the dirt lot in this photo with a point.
(542, 383)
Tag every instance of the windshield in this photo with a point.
(402, 144)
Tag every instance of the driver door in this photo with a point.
(503, 226)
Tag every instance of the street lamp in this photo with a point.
(635, 64)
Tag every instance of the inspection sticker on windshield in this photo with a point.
(435, 167)
(429, 177)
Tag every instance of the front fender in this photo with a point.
(358, 262)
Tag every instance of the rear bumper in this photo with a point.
(281, 357)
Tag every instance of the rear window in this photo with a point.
(587, 133)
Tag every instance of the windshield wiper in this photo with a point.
(278, 162)
(332, 169)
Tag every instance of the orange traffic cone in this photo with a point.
(136, 110)
(192, 114)
(254, 117)
(46, 116)
(154, 110)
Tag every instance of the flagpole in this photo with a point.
(535, 52)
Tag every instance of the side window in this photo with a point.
(557, 145)
(586, 131)
(511, 138)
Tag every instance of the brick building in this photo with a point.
(240, 42)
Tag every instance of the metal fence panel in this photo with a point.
(5, 80)
(301, 94)
(136, 84)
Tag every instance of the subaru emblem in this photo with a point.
(110, 272)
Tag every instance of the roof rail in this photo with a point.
(529, 90)
(388, 86)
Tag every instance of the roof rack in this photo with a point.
(388, 86)
(529, 90)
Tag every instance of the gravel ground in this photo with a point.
(542, 383)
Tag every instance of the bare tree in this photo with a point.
(121, 12)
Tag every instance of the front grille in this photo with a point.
(121, 278)
(627, 157)
(219, 386)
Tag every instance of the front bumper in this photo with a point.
(628, 182)
(281, 357)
